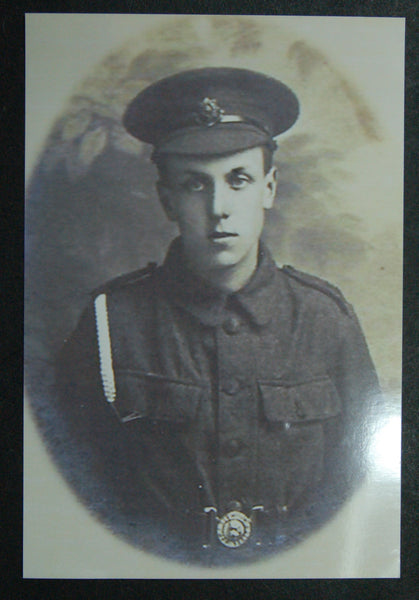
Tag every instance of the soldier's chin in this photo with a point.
(224, 260)
(213, 261)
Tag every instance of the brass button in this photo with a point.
(234, 505)
(231, 386)
(232, 325)
(300, 410)
(232, 447)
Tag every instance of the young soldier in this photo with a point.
(218, 402)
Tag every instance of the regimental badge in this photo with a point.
(234, 529)
(209, 113)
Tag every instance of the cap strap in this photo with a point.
(231, 119)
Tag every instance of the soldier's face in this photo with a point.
(218, 204)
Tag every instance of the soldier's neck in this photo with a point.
(232, 278)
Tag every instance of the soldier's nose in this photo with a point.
(219, 203)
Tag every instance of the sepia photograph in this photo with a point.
(213, 296)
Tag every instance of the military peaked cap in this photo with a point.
(211, 111)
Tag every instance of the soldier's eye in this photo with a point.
(238, 181)
(193, 184)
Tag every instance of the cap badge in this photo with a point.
(209, 113)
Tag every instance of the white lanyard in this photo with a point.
(105, 349)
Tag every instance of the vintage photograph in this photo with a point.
(213, 259)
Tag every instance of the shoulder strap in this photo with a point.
(105, 348)
(322, 286)
(126, 279)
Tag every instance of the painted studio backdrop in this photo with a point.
(92, 213)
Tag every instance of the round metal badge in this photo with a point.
(234, 529)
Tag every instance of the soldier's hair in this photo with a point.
(159, 158)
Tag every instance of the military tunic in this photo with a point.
(255, 401)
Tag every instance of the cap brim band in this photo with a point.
(222, 138)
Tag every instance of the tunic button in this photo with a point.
(231, 387)
(300, 410)
(232, 448)
(231, 325)
(234, 505)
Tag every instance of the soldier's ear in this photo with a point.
(270, 188)
(166, 199)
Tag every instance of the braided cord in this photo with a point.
(105, 350)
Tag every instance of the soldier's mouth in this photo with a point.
(220, 235)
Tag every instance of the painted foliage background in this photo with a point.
(92, 211)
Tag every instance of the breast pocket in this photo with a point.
(153, 397)
(299, 402)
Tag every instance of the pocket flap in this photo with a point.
(146, 395)
(316, 399)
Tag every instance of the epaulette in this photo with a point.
(126, 279)
(322, 286)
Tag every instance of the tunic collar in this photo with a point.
(257, 299)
